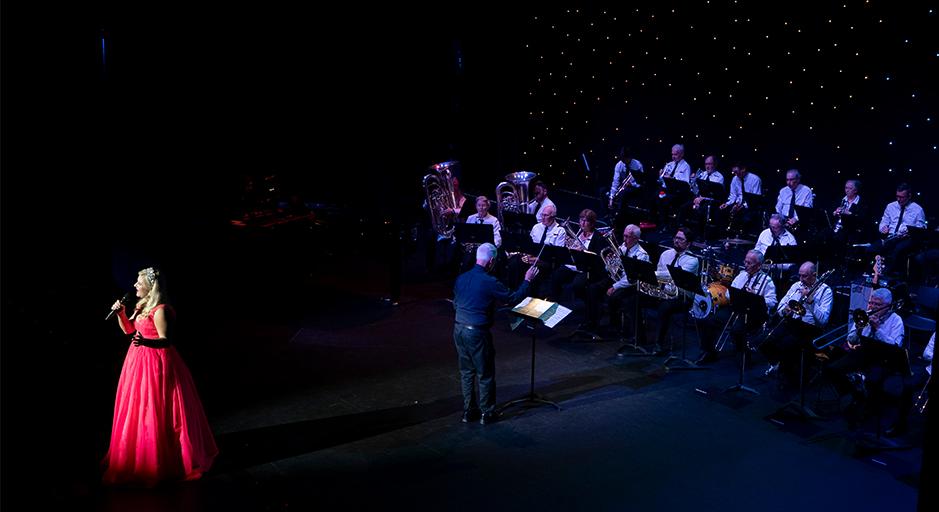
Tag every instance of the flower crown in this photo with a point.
(151, 274)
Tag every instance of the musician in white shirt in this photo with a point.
(855, 371)
(792, 334)
(678, 168)
(792, 195)
(677, 256)
(775, 234)
(482, 216)
(738, 211)
(751, 279)
(898, 217)
(547, 229)
(541, 201)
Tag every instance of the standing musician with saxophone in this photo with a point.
(751, 279)
(807, 303)
(625, 189)
(853, 367)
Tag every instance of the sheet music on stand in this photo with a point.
(550, 313)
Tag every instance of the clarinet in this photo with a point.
(837, 228)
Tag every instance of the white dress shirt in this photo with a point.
(803, 196)
(622, 170)
(534, 207)
(715, 176)
(583, 240)
(928, 351)
(686, 261)
(760, 283)
(556, 235)
(636, 253)
(766, 240)
(491, 220)
(890, 331)
(751, 184)
(913, 215)
(679, 170)
(816, 313)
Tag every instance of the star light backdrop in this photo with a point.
(838, 90)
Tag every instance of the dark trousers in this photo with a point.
(668, 309)
(477, 358)
(738, 330)
(623, 303)
(785, 345)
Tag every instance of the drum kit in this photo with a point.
(716, 293)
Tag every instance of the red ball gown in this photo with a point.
(160, 431)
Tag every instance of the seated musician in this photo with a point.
(677, 168)
(743, 181)
(751, 279)
(775, 234)
(547, 231)
(580, 241)
(792, 334)
(622, 295)
(898, 216)
(482, 216)
(697, 208)
(540, 201)
(625, 193)
(792, 195)
(677, 256)
(851, 222)
(919, 380)
(853, 372)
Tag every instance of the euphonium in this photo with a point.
(512, 194)
(438, 185)
(612, 258)
(665, 289)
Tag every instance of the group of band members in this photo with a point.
(794, 330)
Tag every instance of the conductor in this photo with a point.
(475, 296)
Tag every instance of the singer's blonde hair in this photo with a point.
(155, 295)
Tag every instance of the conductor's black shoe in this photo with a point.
(489, 418)
(470, 416)
(898, 429)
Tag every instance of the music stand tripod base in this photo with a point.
(531, 396)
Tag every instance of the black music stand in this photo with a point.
(636, 271)
(804, 331)
(535, 312)
(713, 190)
(518, 242)
(811, 221)
(474, 233)
(588, 262)
(468, 208)
(756, 206)
(690, 283)
(515, 222)
(752, 308)
(892, 359)
(678, 190)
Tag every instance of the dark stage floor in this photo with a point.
(329, 397)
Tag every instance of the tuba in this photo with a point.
(438, 185)
(512, 194)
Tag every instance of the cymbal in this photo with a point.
(736, 241)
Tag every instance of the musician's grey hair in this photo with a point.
(884, 295)
(485, 253)
(758, 254)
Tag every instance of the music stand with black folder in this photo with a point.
(690, 283)
(715, 192)
(515, 222)
(811, 220)
(636, 271)
(803, 331)
(588, 262)
(894, 360)
(756, 206)
(474, 233)
(534, 312)
(752, 308)
(678, 189)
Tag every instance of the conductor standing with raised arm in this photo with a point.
(475, 297)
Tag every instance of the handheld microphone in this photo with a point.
(125, 300)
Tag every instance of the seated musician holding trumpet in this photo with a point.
(751, 279)
(579, 241)
(853, 370)
(807, 303)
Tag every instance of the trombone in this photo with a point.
(797, 307)
(862, 319)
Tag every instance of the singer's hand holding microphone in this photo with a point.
(120, 304)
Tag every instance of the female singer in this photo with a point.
(159, 431)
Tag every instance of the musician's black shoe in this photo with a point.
(470, 415)
(708, 356)
(489, 418)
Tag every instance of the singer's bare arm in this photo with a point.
(159, 321)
